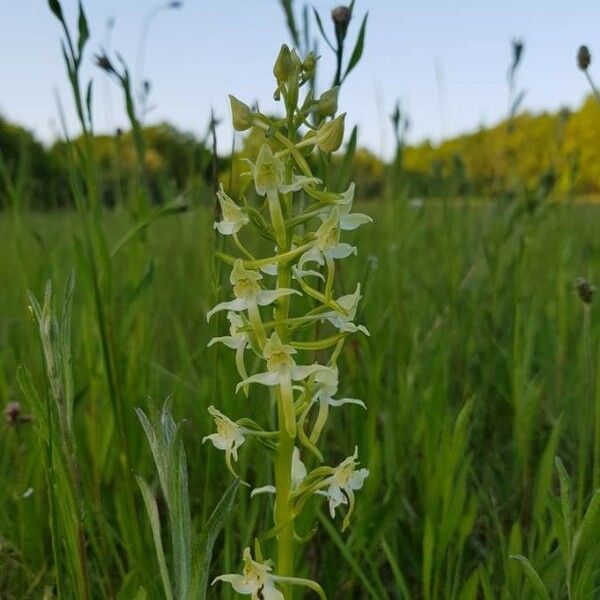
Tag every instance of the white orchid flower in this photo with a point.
(258, 580)
(348, 220)
(234, 217)
(328, 388)
(298, 475)
(268, 173)
(248, 293)
(346, 479)
(326, 245)
(255, 581)
(282, 370)
(344, 322)
(236, 340)
(229, 436)
(269, 180)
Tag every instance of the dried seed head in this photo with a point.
(341, 16)
(13, 415)
(103, 62)
(585, 290)
(584, 58)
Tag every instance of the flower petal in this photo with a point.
(238, 582)
(266, 489)
(350, 222)
(343, 401)
(300, 372)
(233, 342)
(267, 378)
(265, 297)
(235, 305)
(342, 251)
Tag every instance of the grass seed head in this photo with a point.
(584, 58)
(585, 290)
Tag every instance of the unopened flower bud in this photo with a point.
(341, 16)
(328, 102)
(309, 64)
(241, 114)
(584, 58)
(282, 68)
(269, 171)
(331, 134)
(585, 290)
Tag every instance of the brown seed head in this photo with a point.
(584, 58)
(12, 413)
(341, 16)
(585, 290)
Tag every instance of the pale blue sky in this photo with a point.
(197, 55)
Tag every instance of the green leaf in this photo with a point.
(344, 171)
(347, 554)
(84, 32)
(585, 541)
(56, 9)
(322, 30)
(28, 389)
(544, 473)
(532, 575)
(208, 536)
(152, 510)
(565, 503)
(288, 9)
(358, 48)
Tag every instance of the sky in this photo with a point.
(445, 60)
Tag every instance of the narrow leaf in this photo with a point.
(532, 575)
(208, 536)
(358, 48)
(84, 32)
(56, 9)
(322, 30)
(152, 510)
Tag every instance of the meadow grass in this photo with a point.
(474, 376)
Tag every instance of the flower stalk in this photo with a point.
(306, 221)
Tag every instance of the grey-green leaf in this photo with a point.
(152, 510)
(204, 547)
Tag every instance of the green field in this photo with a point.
(451, 311)
(474, 377)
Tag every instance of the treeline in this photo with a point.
(38, 176)
(545, 154)
(548, 154)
